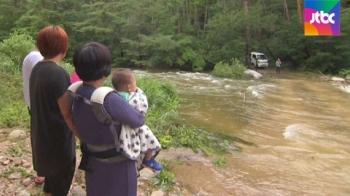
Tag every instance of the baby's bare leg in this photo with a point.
(149, 155)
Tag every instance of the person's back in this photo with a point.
(28, 64)
(51, 133)
(105, 175)
(53, 143)
(91, 131)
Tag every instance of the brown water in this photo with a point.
(300, 126)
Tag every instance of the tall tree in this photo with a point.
(247, 33)
(190, 34)
(300, 13)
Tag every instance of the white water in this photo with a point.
(300, 125)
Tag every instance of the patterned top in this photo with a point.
(134, 142)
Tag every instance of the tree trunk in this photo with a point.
(247, 34)
(205, 16)
(188, 12)
(14, 12)
(286, 10)
(269, 50)
(196, 26)
(300, 13)
(178, 21)
(208, 13)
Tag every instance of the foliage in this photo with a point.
(13, 50)
(234, 70)
(187, 34)
(220, 162)
(13, 110)
(164, 179)
(344, 72)
(14, 114)
(163, 99)
(68, 67)
(7, 65)
(177, 135)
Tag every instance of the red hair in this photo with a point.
(52, 41)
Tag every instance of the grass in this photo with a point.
(15, 151)
(165, 179)
(13, 110)
(220, 162)
(12, 170)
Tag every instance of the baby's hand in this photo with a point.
(143, 113)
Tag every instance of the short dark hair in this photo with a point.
(92, 61)
(121, 78)
(52, 41)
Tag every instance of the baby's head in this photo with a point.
(124, 80)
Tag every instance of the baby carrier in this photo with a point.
(96, 102)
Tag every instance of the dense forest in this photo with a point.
(191, 34)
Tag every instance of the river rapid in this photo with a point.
(299, 126)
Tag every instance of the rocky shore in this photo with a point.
(17, 173)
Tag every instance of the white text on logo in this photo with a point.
(322, 18)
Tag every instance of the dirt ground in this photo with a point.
(192, 171)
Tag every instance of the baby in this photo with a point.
(136, 141)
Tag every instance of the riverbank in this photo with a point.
(17, 173)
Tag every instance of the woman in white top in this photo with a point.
(28, 64)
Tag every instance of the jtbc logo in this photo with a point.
(316, 17)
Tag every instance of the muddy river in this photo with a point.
(299, 124)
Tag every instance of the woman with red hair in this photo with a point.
(53, 143)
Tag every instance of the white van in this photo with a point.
(259, 59)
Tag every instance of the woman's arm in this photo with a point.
(120, 110)
(67, 115)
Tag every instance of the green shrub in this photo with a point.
(7, 65)
(14, 114)
(68, 67)
(235, 70)
(13, 110)
(13, 50)
(344, 72)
